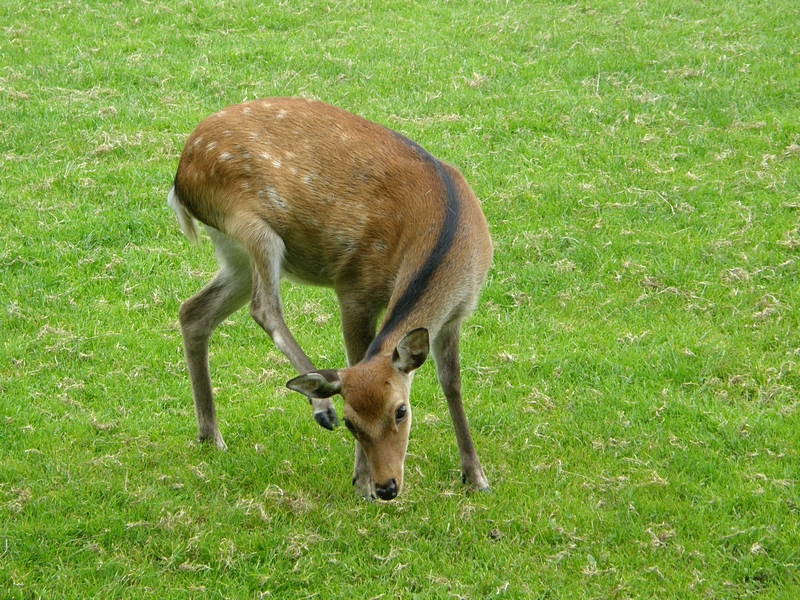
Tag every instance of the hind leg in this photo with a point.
(199, 317)
(267, 310)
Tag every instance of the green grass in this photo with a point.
(631, 374)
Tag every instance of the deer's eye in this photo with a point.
(350, 426)
(400, 413)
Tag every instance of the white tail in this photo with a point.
(297, 188)
(187, 224)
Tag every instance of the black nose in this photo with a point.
(387, 492)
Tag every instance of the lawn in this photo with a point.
(631, 375)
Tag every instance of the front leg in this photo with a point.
(362, 476)
(448, 368)
(359, 318)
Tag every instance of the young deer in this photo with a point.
(298, 188)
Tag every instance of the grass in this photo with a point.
(631, 373)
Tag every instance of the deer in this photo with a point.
(298, 188)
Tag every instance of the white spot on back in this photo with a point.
(245, 111)
(276, 164)
(198, 140)
(274, 197)
(281, 114)
(308, 178)
(211, 145)
(225, 156)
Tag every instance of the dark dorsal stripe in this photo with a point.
(419, 282)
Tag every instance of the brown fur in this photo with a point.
(300, 188)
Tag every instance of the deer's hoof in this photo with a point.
(327, 419)
(215, 440)
(364, 488)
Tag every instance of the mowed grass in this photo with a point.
(631, 375)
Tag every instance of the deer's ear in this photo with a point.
(411, 351)
(317, 384)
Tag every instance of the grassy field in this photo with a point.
(631, 375)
